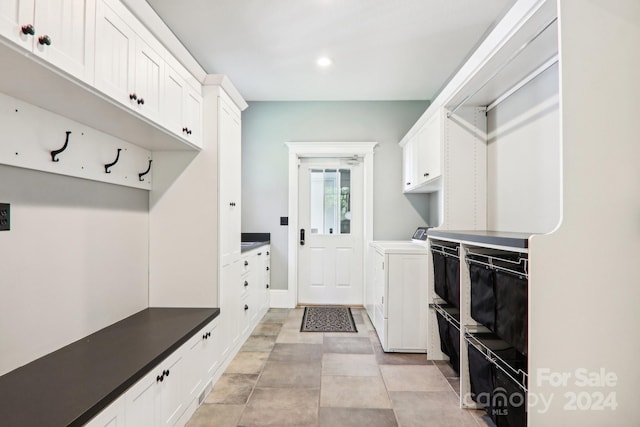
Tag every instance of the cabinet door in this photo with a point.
(171, 396)
(149, 67)
(173, 95)
(211, 349)
(141, 401)
(13, 15)
(229, 302)
(409, 164)
(112, 416)
(431, 143)
(193, 117)
(65, 35)
(229, 182)
(115, 50)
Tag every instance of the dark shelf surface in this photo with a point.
(74, 383)
(498, 238)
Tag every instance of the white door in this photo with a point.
(330, 210)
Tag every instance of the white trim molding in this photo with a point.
(298, 150)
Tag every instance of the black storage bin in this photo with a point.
(489, 392)
(439, 275)
(483, 300)
(512, 309)
(443, 329)
(453, 280)
(454, 348)
(510, 402)
(480, 373)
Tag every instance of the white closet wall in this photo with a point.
(74, 261)
(523, 158)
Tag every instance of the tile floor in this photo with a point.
(284, 377)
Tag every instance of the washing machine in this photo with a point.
(396, 292)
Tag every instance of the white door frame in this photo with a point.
(299, 150)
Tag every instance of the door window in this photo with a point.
(330, 201)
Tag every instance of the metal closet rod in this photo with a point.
(507, 62)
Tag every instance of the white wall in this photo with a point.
(523, 164)
(74, 261)
(266, 126)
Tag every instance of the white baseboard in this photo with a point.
(280, 298)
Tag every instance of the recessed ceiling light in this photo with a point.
(323, 61)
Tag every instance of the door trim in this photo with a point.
(299, 150)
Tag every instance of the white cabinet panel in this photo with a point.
(141, 401)
(14, 14)
(65, 35)
(112, 416)
(229, 181)
(115, 55)
(171, 395)
(192, 118)
(59, 31)
(173, 100)
(148, 79)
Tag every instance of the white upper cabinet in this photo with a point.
(16, 22)
(59, 31)
(115, 55)
(181, 107)
(128, 69)
(148, 79)
(422, 157)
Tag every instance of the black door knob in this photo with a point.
(28, 30)
(133, 96)
(426, 174)
(267, 286)
(246, 283)
(246, 263)
(267, 268)
(246, 307)
(267, 252)
(159, 378)
(141, 101)
(44, 40)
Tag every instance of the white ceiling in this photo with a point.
(381, 49)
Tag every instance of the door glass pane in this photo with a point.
(330, 201)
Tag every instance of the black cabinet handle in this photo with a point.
(159, 378)
(246, 283)
(259, 253)
(204, 337)
(133, 96)
(44, 40)
(166, 373)
(302, 237)
(232, 203)
(189, 132)
(246, 307)
(28, 30)
(425, 174)
(246, 263)
(184, 130)
(208, 334)
(408, 183)
(267, 252)
(267, 268)
(267, 286)
(141, 101)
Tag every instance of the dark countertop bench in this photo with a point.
(498, 238)
(73, 384)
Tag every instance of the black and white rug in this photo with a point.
(328, 319)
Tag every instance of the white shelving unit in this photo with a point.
(582, 294)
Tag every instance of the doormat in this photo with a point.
(328, 319)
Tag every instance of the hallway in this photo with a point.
(283, 377)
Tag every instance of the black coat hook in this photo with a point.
(107, 166)
(64, 147)
(141, 174)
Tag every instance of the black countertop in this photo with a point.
(497, 238)
(250, 241)
(73, 384)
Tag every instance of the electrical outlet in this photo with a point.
(5, 216)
